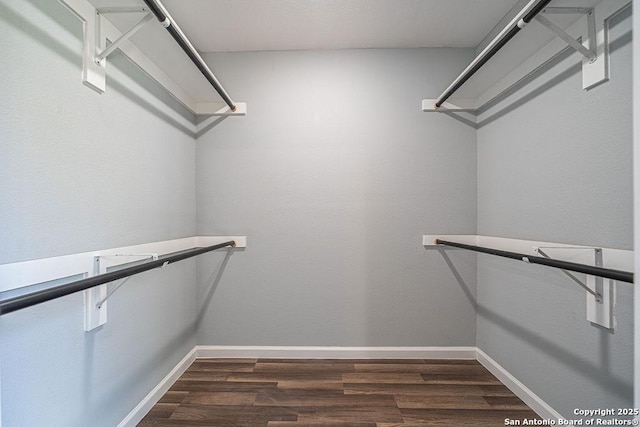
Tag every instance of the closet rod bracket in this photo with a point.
(95, 299)
(589, 53)
(589, 40)
(595, 294)
(95, 49)
(125, 36)
(600, 290)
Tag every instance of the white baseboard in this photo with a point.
(300, 352)
(312, 352)
(532, 400)
(138, 413)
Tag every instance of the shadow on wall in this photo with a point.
(205, 123)
(65, 19)
(120, 383)
(458, 116)
(573, 361)
(465, 288)
(212, 284)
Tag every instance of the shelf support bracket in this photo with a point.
(94, 52)
(600, 292)
(574, 278)
(95, 299)
(594, 45)
(601, 312)
(575, 44)
(94, 315)
(125, 36)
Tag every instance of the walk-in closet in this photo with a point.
(319, 213)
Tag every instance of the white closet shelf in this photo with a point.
(582, 29)
(601, 277)
(25, 273)
(129, 26)
(91, 272)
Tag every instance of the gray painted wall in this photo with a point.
(555, 164)
(81, 171)
(334, 175)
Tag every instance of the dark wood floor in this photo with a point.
(336, 393)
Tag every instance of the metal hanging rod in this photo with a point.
(23, 301)
(622, 276)
(519, 22)
(165, 19)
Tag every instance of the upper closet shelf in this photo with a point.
(587, 36)
(167, 56)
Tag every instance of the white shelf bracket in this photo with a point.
(594, 46)
(575, 44)
(595, 294)
(600, 291)
(95, 299)
(601, 312)
(93, 72)
(95, 315)
(95, 52)
(125, 36)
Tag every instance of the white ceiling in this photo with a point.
(255, 25)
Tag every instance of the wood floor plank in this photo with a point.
(233, 414)
(221, 367)
(425, 389)
(304, 367)
(310, 385)
(312, 424)
(206, 423)
(320, 398)
(247, 386)
(451, 362)
(381, 378)
(423, 368)
(162, 410)
(506, 402)
(173, 397)
(496, 390)
(195, 423)
(316, 361)
(350, 415)
(222, 398)
(452, 378)
(463, 417)
(204, 376)
(442, 402)
(283, 376)
(402, 424)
